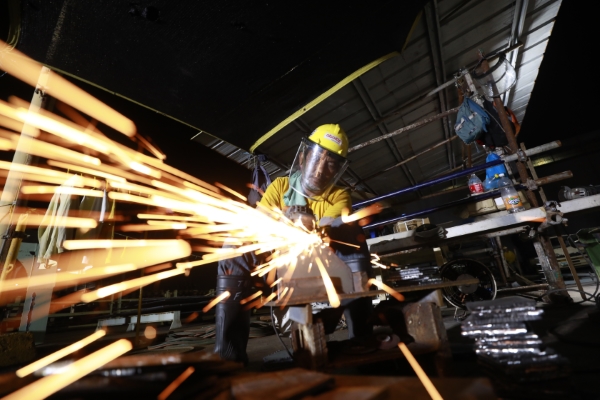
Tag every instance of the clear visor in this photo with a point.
(315, 170)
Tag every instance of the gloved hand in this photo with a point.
(302, 213)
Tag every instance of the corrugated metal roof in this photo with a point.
(390, 96)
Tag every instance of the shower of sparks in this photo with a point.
(22, 67)
(334, 300)
(251, 297)
(388, 289)
(150, 332)
(76, 158)
(287, 298)
(362, 213)
(276, 282)
(380, 265)
(216, 300)
(133, 283)
(48, 385)
(433, 393)
(57, 355)
(176, 383)
(345, 244)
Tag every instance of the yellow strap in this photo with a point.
(334, 89)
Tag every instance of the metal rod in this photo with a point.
(443, 142)
(468, 171)
(397, 110)
(432, 182)
(533, 173)
(471, 199)
(499, 262)
(530, 288)
(534, 150)
(404, 129)
(563, 246)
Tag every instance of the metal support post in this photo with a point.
(563, 246)
(542, 242)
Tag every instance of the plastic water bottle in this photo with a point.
(475, 185)
(510, 196)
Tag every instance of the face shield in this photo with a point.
(315, 170)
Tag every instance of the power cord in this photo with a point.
(592, 297)
(277, 333)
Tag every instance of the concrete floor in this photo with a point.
(572, 330)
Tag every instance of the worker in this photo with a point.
(310, 195)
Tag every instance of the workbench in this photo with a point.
(491, 225)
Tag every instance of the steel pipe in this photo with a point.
(407, 128)
(471, 199)
(432, 182)
(458, 174)
(443, 142)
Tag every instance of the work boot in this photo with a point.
(357, 313)
(232, 323)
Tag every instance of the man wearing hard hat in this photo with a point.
(308, 193)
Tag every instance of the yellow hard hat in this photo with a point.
(331, 137)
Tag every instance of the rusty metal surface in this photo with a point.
(407, 128)
(522, 289)
(424, 323)
(310, 345)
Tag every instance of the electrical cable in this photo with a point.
(593, 298)
(277, 333)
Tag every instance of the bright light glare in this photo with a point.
(48, 385)
(57, 355)
(388, 289)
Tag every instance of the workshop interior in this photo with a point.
(316, 200)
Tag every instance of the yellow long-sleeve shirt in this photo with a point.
(329, 206)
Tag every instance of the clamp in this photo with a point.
(553, 216)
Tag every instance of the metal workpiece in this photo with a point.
(424, 323)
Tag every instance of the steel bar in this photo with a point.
(404, 129)
(458, 174)
(430, 183)
(533, 173)
(443, 142)
(471, 199)
(519, 289)
(563, 246)
(504, 265)
(553, 275)
(534, 150)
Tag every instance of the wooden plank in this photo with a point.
(291, 384)
(354, 393)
